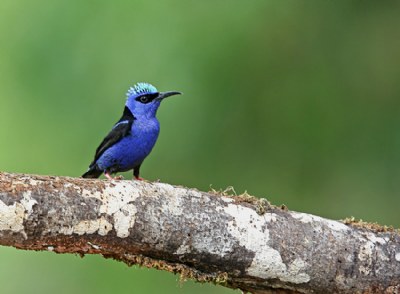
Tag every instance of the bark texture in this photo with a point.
(235, 241)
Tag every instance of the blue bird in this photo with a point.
(133, 137)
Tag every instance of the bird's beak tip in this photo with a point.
(168, 94)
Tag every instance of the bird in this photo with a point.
(133, 137)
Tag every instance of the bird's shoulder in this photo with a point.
(120, 130)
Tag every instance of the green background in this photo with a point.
(296, 101)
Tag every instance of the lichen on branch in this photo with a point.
(237, 241)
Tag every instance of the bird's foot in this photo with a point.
(138, 179)
(108, 176)
(119, 178)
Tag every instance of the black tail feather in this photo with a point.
(93, 173)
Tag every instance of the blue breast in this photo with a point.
(132, 149)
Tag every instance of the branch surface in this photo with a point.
(239, 242)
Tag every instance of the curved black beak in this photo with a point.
(163, 95)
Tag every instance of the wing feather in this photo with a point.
(120, 130)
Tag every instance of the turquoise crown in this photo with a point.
(141, 88)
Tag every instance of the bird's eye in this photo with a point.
(144, 99)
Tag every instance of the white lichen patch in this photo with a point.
(397, 256)
(124, 219)
(169, 190)
(294, 272)
(28, 202)
(117, 201)
(227, 199)
(183, 249)
(307, 218)
(101, 226)
(250, 229)
(175, 197)
(365, 256)
(13, 216)
(374, 239)
(270, 217)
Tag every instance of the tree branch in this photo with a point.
(236, 241)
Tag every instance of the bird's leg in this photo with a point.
(108, 176)
(136, 173)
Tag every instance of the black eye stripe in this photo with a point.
(146, 98)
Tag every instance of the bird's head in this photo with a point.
(143, 99)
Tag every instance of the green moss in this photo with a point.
(352, 221)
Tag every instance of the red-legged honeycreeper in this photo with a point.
(133, 137)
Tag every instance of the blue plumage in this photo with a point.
(133, 137)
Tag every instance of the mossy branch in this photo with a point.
(235, 241)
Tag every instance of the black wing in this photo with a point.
(120, 130)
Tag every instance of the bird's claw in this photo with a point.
(117, 178)
(108, 176)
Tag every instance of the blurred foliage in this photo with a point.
(296, 101)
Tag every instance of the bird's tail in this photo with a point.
(93, 172)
